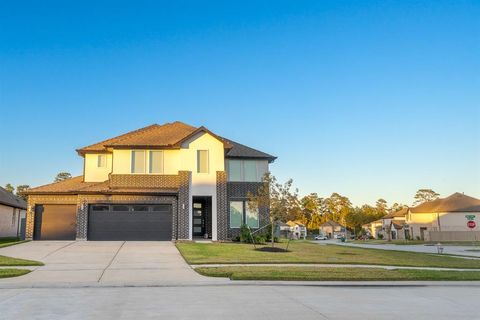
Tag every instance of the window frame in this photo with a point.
(246, 218)
(132, 161)
(162, 161)
(241, 213)
(258, 169)
(207, 153)
(99, 162)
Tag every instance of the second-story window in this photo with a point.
(156, 162)
(138, 161)
(101, 161)
(202, 161)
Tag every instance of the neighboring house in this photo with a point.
(297, 229)
(374, 228)
(12, 215)
(161, 182)
(331, 229)
(446, 219)
(395, 224)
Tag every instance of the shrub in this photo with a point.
(245, 235)
(380, 236)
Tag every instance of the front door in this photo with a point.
(422, 233)
(199, 217)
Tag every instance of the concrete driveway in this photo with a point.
(102, 263)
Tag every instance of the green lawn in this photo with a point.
(7, 261)
(307, 252)
(8, 273)
(10, 241)
(334, 274)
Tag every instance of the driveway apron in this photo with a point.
(102, 262)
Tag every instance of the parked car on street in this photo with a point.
(321, 237)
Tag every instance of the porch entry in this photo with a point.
(202, 217)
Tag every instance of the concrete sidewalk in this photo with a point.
(88, 263)
(447, 249)
(242, 302)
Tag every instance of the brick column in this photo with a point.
(184, 205)
(222, 212)
(82, 218)
(30, 217)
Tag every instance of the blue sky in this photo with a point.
(366, 98)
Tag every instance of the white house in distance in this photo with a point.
(454, 218)
(298, 229)
(394, 223)
(12, 215)
(332, 229)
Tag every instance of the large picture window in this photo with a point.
(138, 161)
(236, 214)
(156, 162)
(241, 213)
(251, 216)
(246, 170)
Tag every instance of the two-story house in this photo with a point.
(161, 182)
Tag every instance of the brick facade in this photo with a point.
(146, 181)
(181, 205)
(239, 191)
(222, 210)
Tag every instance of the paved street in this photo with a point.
(104, 262)
(241, 302)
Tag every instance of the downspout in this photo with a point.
(18, 222)
(438, 222)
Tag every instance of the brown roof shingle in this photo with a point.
(153, 136)
(457, 202)
(400, 213)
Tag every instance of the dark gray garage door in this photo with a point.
(130, 222)
(55, 222)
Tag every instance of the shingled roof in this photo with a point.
(457, 202)
(241, 151)
(155, 135)
(400, 213)
(171, 135)
(9, 199)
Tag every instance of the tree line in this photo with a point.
(311, 210)
(18, 191)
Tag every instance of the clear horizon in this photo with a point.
(368, 99)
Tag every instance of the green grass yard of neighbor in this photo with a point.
(311, 253)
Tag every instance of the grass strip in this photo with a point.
(335, 274)
(8, 273)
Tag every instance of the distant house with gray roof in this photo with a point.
(12, 215)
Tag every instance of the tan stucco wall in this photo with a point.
(449, 221)
(9, 220)
(92, 172)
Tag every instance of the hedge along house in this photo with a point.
(161, 182)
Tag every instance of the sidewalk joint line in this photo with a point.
(111, 261)
(56, 250)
